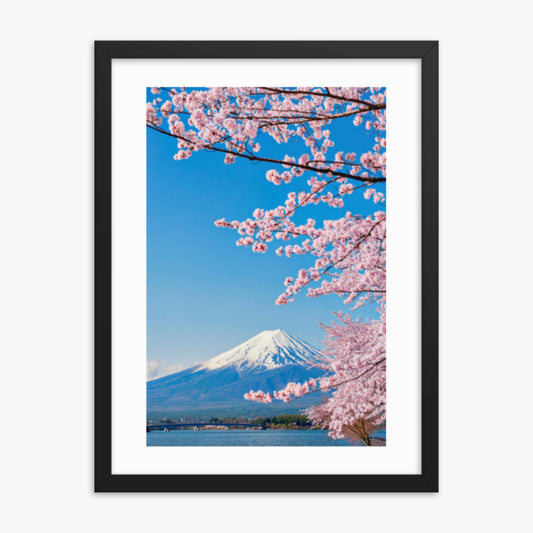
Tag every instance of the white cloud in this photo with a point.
(151, 369)
(154, 369)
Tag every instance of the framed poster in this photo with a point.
(266, 300)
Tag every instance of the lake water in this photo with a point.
(245, 438)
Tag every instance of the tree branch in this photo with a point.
(269, 160)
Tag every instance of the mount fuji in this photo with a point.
(216, 387)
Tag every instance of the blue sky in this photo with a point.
(204, 294)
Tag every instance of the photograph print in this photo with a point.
(266, 266)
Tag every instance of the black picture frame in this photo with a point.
(105, 52)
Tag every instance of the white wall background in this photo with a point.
(46, 268)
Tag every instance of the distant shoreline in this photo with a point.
(237, 429)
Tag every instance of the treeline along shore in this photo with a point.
(279, 422)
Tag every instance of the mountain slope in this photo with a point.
(216, 387)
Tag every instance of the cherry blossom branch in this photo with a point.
(367, 179)
(328, 95)
(292, 389)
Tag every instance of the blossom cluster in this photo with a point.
(230, 120)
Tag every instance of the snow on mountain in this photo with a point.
(267, 350)
(265, 362)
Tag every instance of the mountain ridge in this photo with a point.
(267, 361)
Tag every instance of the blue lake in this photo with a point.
(245, 438)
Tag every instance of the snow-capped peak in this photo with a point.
(267, 350)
